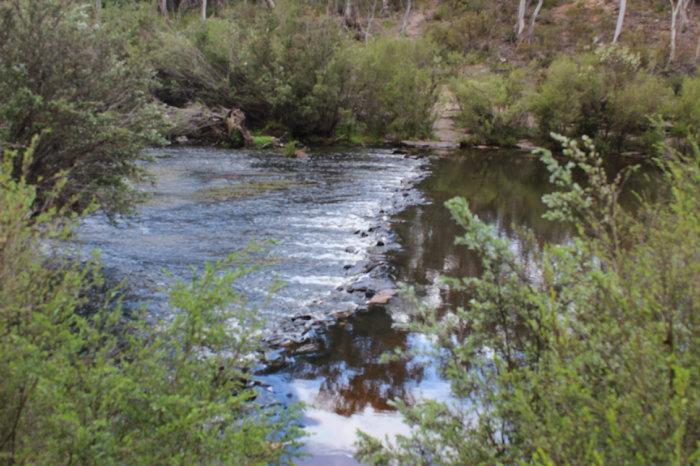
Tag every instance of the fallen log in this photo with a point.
(199, 123)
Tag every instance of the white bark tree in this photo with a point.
(204, 10)
(370, 18)
(348, 11)
(163, 7)
(620, 20)
(676, 6)
(385, 8)
(531, 30)
(520, 22)
(406, 17)
(684, 15)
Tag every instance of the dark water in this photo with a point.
(208, 203)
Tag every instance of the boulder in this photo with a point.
(381, 298)
(340, 315)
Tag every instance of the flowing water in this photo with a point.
(329, 214)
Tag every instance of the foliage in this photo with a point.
(493, 107)
(297, 69)
(393, 85)
(688, 121)
(64, 77)
(472, 31)
(84, 384)
(605, 94)
(290, 149)
(263, 142)
(593, 358)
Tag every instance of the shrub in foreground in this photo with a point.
(83, 384)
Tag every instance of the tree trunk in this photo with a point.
(620, 20)
(697, 49)
(369, 21)
(520, 23)
(675, 9)
(531, 31)
(235, 124)
(207, 125)
(406, 16)
(385, 8)
(163, 7)
(204, 10)
(684, 15)
(270, 4)
(347, 14)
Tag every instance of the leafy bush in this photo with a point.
(593, 360)
(299, 70)
(393, 86)
(606, 95)
(470, 31)
(82, 383)
(688, 116)
(493, 107)
(276, 66)
(64, 77)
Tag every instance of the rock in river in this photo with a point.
(381, 298)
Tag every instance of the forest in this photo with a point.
(514, 184)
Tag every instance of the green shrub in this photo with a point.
(276, 66)
(294, 68)
(393, 86)
(82, 383)
(471, 31)
(570, 98)
(68, 79)
(493, 107)
(593, 360)
(290, 149)
(688, 108)
(605, 94)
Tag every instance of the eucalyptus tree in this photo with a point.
(620, 19)
(535, 13)
(520, 21)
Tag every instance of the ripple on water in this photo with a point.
(207, 203)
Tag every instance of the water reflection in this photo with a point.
(352, 377)
(504, 189)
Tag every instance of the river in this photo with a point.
(336, 218)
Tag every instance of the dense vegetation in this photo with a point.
(591, 359)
